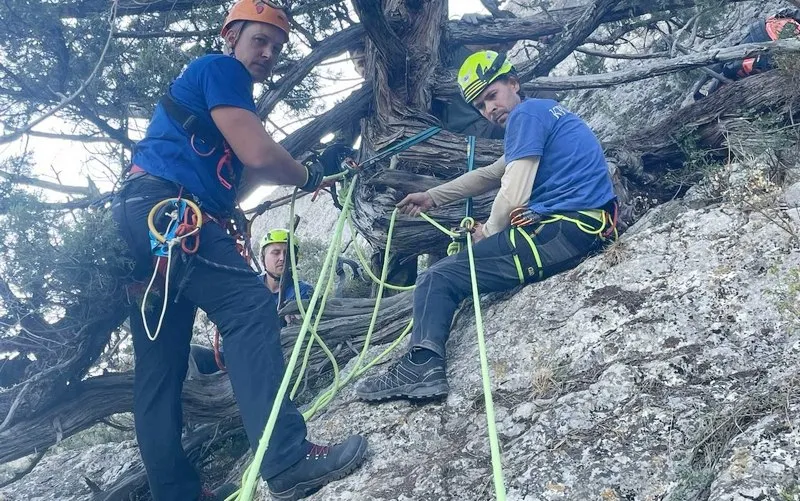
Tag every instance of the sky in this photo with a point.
(71, 162)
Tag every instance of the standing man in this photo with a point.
(555, 207)
(206, 144)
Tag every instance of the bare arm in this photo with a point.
(515, 191)
(265, 161)
(473, 183)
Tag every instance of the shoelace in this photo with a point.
(318, 450)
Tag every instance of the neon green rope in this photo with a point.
(326, 285)
(251, 474)
(366, 267)
(438, 226)
(328, 395)
(494, 444)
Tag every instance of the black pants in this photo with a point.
(561, 245)
(245, 313)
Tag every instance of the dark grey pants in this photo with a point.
(245, 313)
(441, 288)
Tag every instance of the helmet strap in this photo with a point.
(275, 277)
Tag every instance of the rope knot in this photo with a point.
(468, 224)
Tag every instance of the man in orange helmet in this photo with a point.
(205, 144)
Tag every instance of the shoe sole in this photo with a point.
(416, 391)
(304, 489)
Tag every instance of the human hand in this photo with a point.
(414, 203)
(332, 156)
(477, 233)
(315, 174)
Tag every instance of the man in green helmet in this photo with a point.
(274, 254)
(556, 206)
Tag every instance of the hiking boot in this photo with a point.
(409, 380)
(321, 465)
(221, 493)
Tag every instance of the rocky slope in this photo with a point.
(666, 368)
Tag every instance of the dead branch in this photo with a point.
(88, 8)
(614, 55)
(645, 156)
(684, 50)
(165, 34)
(448, 86)
(10, 416)
(552, 22)
(352, 108)
(207, 398)
(20, 474)
(83, 138)
(47, 185)
(591, 18)
(333, 46)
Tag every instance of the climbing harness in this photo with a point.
(185, 221)
(523, 218)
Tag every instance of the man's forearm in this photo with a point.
(470, 184)
(515, 191)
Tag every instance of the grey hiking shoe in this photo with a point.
(407, 380)
(321, 465)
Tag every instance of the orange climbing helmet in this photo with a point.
(261, 11)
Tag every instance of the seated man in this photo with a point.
(274, 258)
(555, 207)
(274, 252)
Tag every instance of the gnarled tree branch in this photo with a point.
(333, 46)
(386, 41)
(448, 86)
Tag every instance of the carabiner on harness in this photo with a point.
(184, 220)
(523, 216)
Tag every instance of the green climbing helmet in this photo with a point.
(276, 236)
(481, 69)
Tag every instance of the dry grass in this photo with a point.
(615, 253)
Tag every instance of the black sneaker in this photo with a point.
(409, 380)
(322, 464)
(221, 493)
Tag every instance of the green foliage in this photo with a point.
(57, 260)
(789, 298)
(588, 64)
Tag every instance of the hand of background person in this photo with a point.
(477, 233)
(415, 203)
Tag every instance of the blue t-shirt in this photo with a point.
(573, 174)
(306, 290)
(166, 152)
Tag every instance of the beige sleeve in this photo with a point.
(471, 184)
(515, 191)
